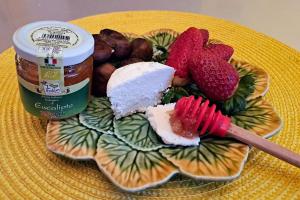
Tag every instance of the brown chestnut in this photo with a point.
(102, 51)
(96, 37)
(141, 48)
(108, 34)
(117, 41)
(101, 75)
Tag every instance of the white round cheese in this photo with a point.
(136, 86)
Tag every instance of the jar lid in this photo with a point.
(76, 43)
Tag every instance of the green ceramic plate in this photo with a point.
(131, 154)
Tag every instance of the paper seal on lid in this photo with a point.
(77, 44)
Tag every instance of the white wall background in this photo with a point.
(276, 18)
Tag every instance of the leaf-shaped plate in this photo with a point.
(259, 75)
(98, 115)
(129, 168)
(214, 159)
(69, 138)
(135, 160)
(258, 117)
(161, 37)
(136, 131)
(161, 40)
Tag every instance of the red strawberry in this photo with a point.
(222, 51)
(216, 78)
(205, 36)
(186, 44)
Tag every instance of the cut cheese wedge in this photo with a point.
(134, 87)
(159, 119)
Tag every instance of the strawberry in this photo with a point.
(186, 44)
(216, 78)
(206, 63)
(205, 36)
(222, 51)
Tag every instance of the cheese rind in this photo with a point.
(134, 87)
(159, 119)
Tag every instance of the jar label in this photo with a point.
(55, 36)
(54, 107)
(51, 70)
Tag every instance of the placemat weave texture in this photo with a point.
(29, 171)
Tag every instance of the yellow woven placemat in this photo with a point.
(28, 170)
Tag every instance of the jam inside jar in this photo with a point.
(77, 79)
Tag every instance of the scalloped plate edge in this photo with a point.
(237, 59)
(83, 158)
(276, 131)
(266, 89)
(220, 178)
(49, 147)
(268, 83)
(147, 186)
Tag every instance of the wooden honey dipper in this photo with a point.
(198, 117)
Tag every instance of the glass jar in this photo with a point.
(54, 67)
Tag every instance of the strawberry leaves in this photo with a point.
(232, 106)
(161, 54)
(173, 94)
(238, 101)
